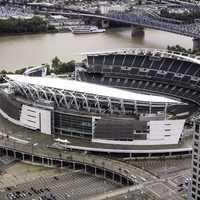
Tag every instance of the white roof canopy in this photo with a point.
(88, 88)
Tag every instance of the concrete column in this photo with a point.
(95, 171)
(23, 156)
(137, 31)
(135, 106)
(149, 155)
(74, 166)
(61, 164)
(165, 110)
(196, 43)
(6, 152)
(150, 108)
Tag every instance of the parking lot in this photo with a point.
(69, 185)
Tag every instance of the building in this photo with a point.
(63, 23)
(126, 99)
(54, 105)
(196, 163)
(36, 71)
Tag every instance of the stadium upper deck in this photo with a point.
(167, 73)
(148, 51)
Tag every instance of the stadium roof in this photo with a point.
(88, 88)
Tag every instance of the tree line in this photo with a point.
(32, 25)
(56, 67)
(179, 48)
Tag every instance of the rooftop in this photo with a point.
(88, 88)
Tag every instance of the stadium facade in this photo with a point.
(104, 114)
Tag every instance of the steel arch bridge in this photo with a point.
(137, 19)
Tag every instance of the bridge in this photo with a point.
(140, 19)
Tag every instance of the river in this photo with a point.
(29, 50)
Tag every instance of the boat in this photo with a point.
(86, 30)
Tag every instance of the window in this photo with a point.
(195, 163)
(193, 189)
(197, 128)
(196, 137)
(195, 150)
(195, 157)
(196, 144)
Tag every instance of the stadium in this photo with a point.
(136, 102)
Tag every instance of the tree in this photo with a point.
(59, 67)
(182, 49)
(48, 69)
(68, 67)
(33, 25)
(20, 71)
(3, 71)
(56, 65)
